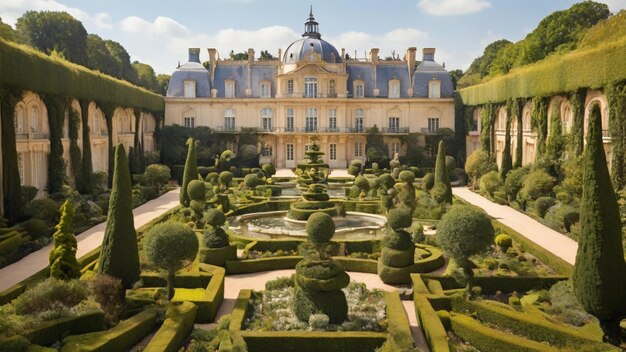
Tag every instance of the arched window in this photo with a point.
(566, 119)
(358, 120)
(229, 119)
(526, 121)
(266, 119)
(394, 88)
(332, 90)
(311, 120)
(34, 119)
(359, 89)
(19, 120)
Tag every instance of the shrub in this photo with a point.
(387, 181)
(36, 228)
(450, 163)
(319, 321)
(428, 181)
(226, 177)
(514, 181)
(542, 204)
(490, 183)
(442, 190)
(44, 209)
(504, 241)
(157, 175)
(190, 173)
(478, 164)
(407, 176)
(49, 294)
(538, 183)
(251, 180)
(170, 246)
(320, 228)
(109, 293)
(564, 304)
(399, 218)
(215, 238)
(269, 170)
(63, 264)
(28, 194)
(462, 232)
(196, 190)
(361, 182)
(215, 217)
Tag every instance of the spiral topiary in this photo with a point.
(396, 261)
(196, 190)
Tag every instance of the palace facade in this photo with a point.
(313, 88)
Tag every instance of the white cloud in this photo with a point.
(615, 5)
(452, 7)
(11, 10)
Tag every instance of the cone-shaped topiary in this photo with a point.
(442, 190)
(599, 277)
(63, 264)
(119, 256)
(170, 246)
(190, 173)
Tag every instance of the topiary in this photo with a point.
(478, 164)
(63, 264)
(399, 218)
(320, 228)
(538, 183)
(269, 170)
(504, 241)
(215, 217)
(542, 204)
(196, 190)
(36, 228)
(215, 238)
(428, 181)
(251, 180)
(190, 173)
(170, 246)
(333, 304)
(213, 178)
(361, 182)
(490, 183)
(156, 175)
(387, 181)
(407, 176)
(514, 181)
(226, 177)
(442, 190)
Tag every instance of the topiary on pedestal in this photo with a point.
(442, 190)
(190, 173)
(318, 278)
(196, 190)
(63, 264)
(406, 190)
(396, 261)
(216, 248)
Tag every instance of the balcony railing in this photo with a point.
(126, 133)
(356, 129)
(395, 130)
(21, 136)
(227, 129)
(39, 136)
(426, 130)
(606, 134)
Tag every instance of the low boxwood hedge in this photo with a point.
(47, 332)
(261, 264)
(122, 337)
(399, 337)
(492, 284)
(432, 327)
(178, 324)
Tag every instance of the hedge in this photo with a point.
(524, 324)
(262, 264)
(434, 331)
(492, 284)
(47, 332)
(487, 339)
(176, 327)
(399, 337)
(357, 264)
(122, 337)
(27, 68)
(592, 68)
(208, 300)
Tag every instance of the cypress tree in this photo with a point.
(518, 108)
(119, 256)
(442, 190)
(599, 274)
(190, 173)
(556, 143)
(11, 176)
(507, 162)
(63, 264)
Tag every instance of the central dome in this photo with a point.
(311, 42)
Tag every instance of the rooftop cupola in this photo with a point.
(194, 55)
(311, 27)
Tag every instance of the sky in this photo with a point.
(159, 32)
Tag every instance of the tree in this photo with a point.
(171, 246)
(7, 32)
(481, 65)
(125, 69)
(478, 164)
(51, 31)
(190, 172)
(99, 58)
(555, 145)
(442, 190)
(375, 147)
(455, 75)
(146, 77)
(163, 82)
(63, 264)
(118, 255)
(238, 56)
(265, 56)
(599, 279)
(465, 231)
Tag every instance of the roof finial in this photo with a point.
(311, 12)
(311, 26)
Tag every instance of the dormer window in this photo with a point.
(359, 89)
(266, 89)
(394, 88)
(434, 89)
(190, 89)
(229, 89)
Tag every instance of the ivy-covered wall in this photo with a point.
(11, 190)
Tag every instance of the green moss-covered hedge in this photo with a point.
(47, 332)
(487, 339)
(491, 284)
(434, 331)
(399, 337)
(262, 264)
(592, 68)
(119, 338)
(178, 324)
(27, 68)
(210, 299)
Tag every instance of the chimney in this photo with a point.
(280, 54)
(250, 55)
(343, 53)
(194, 55)
(212, 62)
(428, 54)
(410, 57)
(374, 55)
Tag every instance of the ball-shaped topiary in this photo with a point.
(428, 181)
(196, 190)
(170, 246)
(504, 241)
(407, 176)
(361, 182)
(269, 169)
(399, 218)
(214, 217)
(394, 163)
(251, 180)
(226, 177)
(320, 227)
(387, 181)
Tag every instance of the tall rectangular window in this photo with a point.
(311, 120)
(358, 149)
(332, 90)
(266, 119)
(290, 152)
(395, 149)
(394, 88)
(20, 167)
(289, 124)
(190, 89)
(433, 124)
(332, 120)
(332, 151)
(229, 120)
(394, 124)
(189, 122)
(266, 90)
(359, 90)
(34, 119)
(358, 120)
(434, 89)
(290, 87)
(229, 89)
(310, 87)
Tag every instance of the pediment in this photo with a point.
(311, 69)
